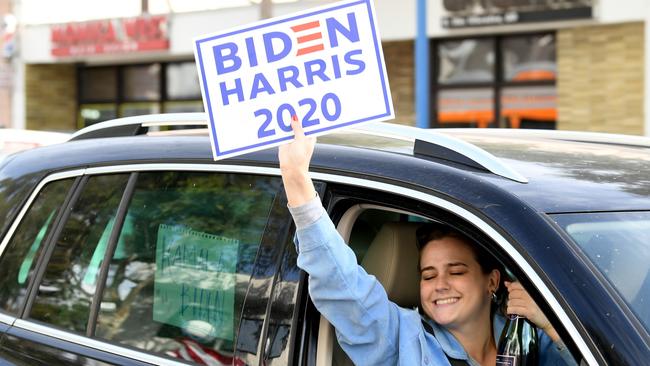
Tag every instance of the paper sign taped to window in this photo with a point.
(324, 65)
(195, 281)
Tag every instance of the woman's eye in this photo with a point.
(457, 273)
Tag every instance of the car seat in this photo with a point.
(392, 258)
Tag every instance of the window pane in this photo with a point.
(466, 61)
(68, 285)
(142, 82)
(180, 273)
(183, 107)
(529, 107)
(98, 84)
(183, 81)
(618, 244)
(90, 114)
(138, 109)
(20, 255)
(529, 58)
(466, 107)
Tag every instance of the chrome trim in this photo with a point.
(472, 152)
(385, 187)
(7, 319)
(182, 167)
(94, 343)
(164, 119)
(23, 210)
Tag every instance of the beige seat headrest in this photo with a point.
(393, 258)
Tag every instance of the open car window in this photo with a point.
(366, 225)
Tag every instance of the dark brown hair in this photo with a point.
(436, 231)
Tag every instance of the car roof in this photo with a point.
(561, 171)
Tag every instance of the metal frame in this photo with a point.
(439, 202)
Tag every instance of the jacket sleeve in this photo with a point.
(366, 321)
(553, 353)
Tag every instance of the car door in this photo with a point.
(159, 265)
(362, 215)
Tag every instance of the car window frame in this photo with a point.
(438, 202)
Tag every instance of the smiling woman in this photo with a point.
(457, 323)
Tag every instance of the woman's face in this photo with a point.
(454, 290)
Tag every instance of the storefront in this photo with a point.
(560, 64)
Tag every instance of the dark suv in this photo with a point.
(129, 245)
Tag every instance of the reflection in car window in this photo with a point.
(17, 261)
(179, 274)
(618, 243)
(69, 282)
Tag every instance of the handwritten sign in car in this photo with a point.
(324, 65)
(194, 284)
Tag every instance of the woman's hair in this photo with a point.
(436, 231)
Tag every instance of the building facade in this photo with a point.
(559, 64)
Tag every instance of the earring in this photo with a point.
(494, 297)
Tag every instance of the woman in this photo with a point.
(456, 291)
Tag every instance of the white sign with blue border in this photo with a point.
(324, 65)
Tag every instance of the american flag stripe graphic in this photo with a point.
(309, 38)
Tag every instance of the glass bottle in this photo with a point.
(518, 345)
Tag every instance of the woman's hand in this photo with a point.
(520, 303)
(294, 164)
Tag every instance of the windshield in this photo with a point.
(618, 243)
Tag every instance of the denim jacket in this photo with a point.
(370, 328)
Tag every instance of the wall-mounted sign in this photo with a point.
(476, 13)
(110, 36)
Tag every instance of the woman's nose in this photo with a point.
(441, 283)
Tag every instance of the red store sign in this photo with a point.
(110, 36)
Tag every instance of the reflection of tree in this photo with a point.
(623, 167)
(12, 193)
(12, 291)
(66, 290)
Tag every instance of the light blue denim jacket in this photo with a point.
(370, 328)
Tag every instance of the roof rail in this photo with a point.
(432, 144)
(426, 143)
(138, 125)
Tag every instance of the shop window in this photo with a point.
(504, 81)
(183, 107)
(529, 58)
(89, 114)
(141, 82)
(466, 107)
(466, 61)
(98, 84)
(121, 91)
(183, 81)
(138, 109)
(529, 106)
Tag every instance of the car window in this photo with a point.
(18, 259)
(69, 281)
(618, 243)
(179, 274)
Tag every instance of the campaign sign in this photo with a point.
(324, 65)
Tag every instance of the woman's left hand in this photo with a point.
(520, 303)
